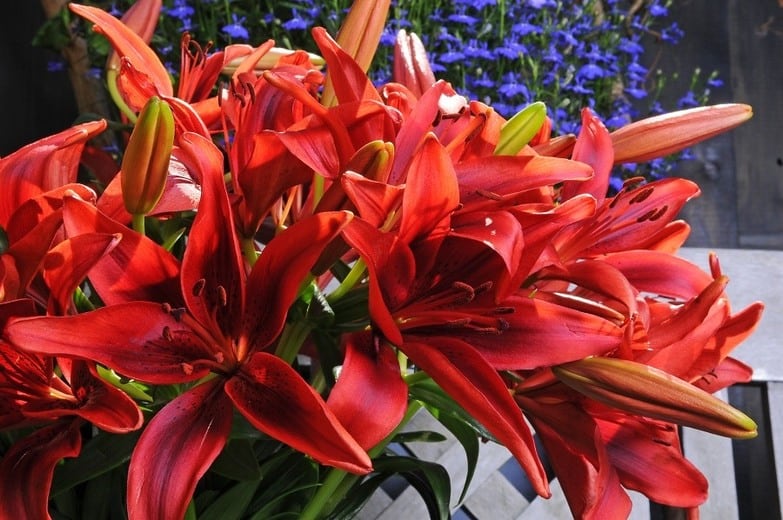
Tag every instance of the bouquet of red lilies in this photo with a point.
(239, 318)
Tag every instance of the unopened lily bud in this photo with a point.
(373, 160)
(644, 390)
(146, 161)
(411, 67)
(669, 133)
(521, 128)
(359, 37)
(269, 60)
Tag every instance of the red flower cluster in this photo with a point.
(386, 221)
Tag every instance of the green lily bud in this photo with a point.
(146, 162)
(373, 160)
(644, 390)
(521, 128)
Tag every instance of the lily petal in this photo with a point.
(138, 339)
(175, 450)
(277, 401)
(466, 376)
(130, 45)
(279, 272)
(370, 396)
(27, 469)
(136, 269)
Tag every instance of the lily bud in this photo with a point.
(359, 36)
(521, 128)
(666, 134)
(373, 160)
(145, 165)
(644, 390)
(411, 67)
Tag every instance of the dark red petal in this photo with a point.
(213, 276)
(136, 269)
(579, 458)
(467, 377)
(27, 469)
(277, 401)
(497, 230)
(370, 396)
(277, 276)
(104, 405)
(139, 340)
(392, 270)
(542, 334)
(649, 459)
(175, 450)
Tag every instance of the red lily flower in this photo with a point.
(31, 393)
(426, 286)
(227, 321)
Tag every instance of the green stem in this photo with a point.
(111, 84)
(354, 276)
(291, 340)
(138, 223)
(249, 250)
(338, 482)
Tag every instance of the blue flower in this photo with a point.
(180, 10)
(462, 18)
(296, 22)
(590, 71)
(524, 28)
(236, 29)
(451, 57)
(688, 100)
(630, 46)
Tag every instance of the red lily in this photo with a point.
(428, 297)
(32, 393)
(227, 321)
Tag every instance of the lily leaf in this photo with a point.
(439, 403)
(233, 503)
(237, 461)
(429, 479)
(103, 453)
(466, 436)
(419, 436)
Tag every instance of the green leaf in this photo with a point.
(102, 453)
(97, 497)
(419, 436)
(429, 479)
(439, 402)
(467, 437)
(233, 503)
(237, 461)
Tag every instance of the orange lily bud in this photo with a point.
(145, 165)
(644, 390)
(373, 160)
(666, 134)
(359, 36)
